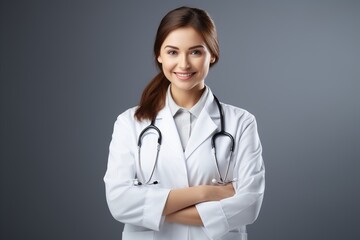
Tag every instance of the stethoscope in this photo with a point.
(222, 132)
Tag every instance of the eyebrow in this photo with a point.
(197, 46)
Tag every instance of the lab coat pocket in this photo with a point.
(235, 236)
(139, 235)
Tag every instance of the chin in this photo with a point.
(186, 86)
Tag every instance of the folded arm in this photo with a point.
(180, 204)
(188, 216)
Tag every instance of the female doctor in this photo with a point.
(182, 165)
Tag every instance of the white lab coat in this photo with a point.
(140, 207)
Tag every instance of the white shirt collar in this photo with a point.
(195, 110)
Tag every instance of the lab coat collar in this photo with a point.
(205, 125)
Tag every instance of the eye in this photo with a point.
(196, 52)
(171, 52)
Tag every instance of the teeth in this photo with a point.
(184, 74)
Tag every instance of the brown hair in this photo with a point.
(153, 96)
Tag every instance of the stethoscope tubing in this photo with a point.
(153, 168)
(222, 132)
(142, 134)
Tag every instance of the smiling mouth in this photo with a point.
(184, 75)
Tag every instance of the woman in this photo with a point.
(183, 191)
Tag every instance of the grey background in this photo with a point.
(68, 68)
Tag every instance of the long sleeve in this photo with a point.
(219, 217)
(138, 205)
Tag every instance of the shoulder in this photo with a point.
(127, 115)
(126, 124)
(237, 113)
(127, 118)
(239, 120)
(232, 113)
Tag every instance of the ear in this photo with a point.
(159, 59)
(212, 59)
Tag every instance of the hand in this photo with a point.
(219, 192)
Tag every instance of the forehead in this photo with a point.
(183, 38)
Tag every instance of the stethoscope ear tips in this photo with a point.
(214, 181)
(137, 183)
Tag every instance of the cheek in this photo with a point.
(167, 70)
(205, 65)
(167, 65)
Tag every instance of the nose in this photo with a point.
(184, 62)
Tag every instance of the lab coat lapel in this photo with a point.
(169, 131)
(204, 127)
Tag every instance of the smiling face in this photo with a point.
(185, 60)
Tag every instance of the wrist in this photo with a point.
(169, 218)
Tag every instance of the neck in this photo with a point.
(186, 98)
